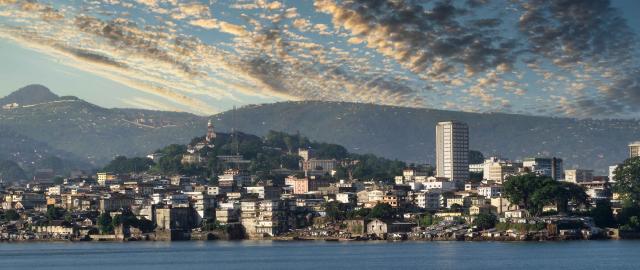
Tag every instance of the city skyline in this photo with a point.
(208, 56)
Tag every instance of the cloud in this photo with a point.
(478, 55)
(236, 30)
(432, 43)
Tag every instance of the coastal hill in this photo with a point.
(408, 134)
(95, 135)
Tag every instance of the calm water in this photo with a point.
(322, 255)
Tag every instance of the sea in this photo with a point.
(247, 255)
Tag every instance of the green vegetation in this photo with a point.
(520, 227)
(427, 219)
(603, 215)
(533, 192)
(627, 180)
(277, 150)
(475, 157)
(335, 211)
(627, 184)
(485, 221)
(382, 211)
(10, 215)
(122, 164)
(105, 223)
(55, 213)
(128, 219)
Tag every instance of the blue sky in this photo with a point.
(575, 58)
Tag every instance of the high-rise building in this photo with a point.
(634, 149)
(211, 134)
(551, 167)
(452, 151)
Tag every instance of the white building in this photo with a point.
(634, 149)
(442, 185)
(612, 170)
(346, 197)
(452, 151)
(497, 170)
(476, 168)
(490, 191)
(431, 199)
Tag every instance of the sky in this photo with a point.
(566, 58)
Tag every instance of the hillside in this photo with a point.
(409, 134)
(29, 95)
(96, 135)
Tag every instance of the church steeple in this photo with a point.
(211, 134)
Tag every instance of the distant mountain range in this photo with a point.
(93, 135)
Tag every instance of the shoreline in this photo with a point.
(341, 240)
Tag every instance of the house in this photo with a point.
(380, 227)
(115, 201)
(449, 216)
(56, 228)
(520, 213)
(482, 209)
(502, 205)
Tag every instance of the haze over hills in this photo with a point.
(409, 134)
(95, 135)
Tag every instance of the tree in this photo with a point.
(558, 193)
(426, 219)
(11, 215)
(485, 221)
(475, 157)
(145, 225)
(104, 223)
(603, 215)
(335, 211)
(628, 211)
(627, 180)
(122, 164)
(533, 192)
(520, 188)
(382, 211)
(360, 213)
(54, 213)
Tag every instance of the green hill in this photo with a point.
(96, 135)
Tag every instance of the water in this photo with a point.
(322, 255)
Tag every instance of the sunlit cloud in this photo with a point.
(482, 56)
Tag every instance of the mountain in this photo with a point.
(92, 134)
(29, 95)
(409, 133)
(31, 155)
(96, 135)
